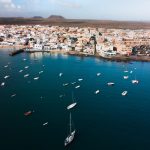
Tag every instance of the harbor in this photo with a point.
(103, 97)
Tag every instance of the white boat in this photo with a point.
(60, 74)
(26, 75)
(126, 71)
(98, 74)
(60, 96)
(80, 79)
(131, 71)
(26, 67)
(73, 103)
(77, 86)
(20, 71)
(6, 77)
(124, 93)
(65, 84)
(71, 135)
(40, 72)
(46, 123)
(3, 83)
(73, 83)
(110, 83)
(36, 78)
(6, 66)
(135, 81)
(97, 91)
(24, 59)
(125, 77)
(13, 95)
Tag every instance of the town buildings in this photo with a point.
(98, 41)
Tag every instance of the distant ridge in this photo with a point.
(38, 17)
(57, 20)
(56, 17)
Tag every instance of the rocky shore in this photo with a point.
(118, 58)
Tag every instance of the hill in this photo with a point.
(55, 17)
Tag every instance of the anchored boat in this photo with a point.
(71, 135)
(73, 103)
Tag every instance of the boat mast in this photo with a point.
(70, 123)
(72, 97)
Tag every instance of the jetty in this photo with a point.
(15, 52)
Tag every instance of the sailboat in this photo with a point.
(71, 135)
(73, 103)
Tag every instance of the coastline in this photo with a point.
(118, 58)
(114, 58)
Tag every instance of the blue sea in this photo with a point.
(103, 121)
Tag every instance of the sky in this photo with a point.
(138, 10)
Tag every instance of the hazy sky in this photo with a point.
(82, 9)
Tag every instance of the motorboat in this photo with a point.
(65, 84)
(36, 78)
(20, 71)
(6, 66)
(135, 81)
(60, 74)
(6, 77)
(80, 79)
(110, 83)
(61, 96)
(131, 71)
(98, 74)
(3, 83)
(26, 75)
(78, 86)
(26, 67)
(40, 72)
(28, 113)
(125, 77)
(97, 91)
(46, 123)
(13, 95)
(124, 93)
(73, 83)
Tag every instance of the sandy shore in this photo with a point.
(12, 47)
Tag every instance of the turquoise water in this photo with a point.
(106, 121)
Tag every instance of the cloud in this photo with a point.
(66, 3)
(8, 5)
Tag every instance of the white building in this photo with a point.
(38, 47)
